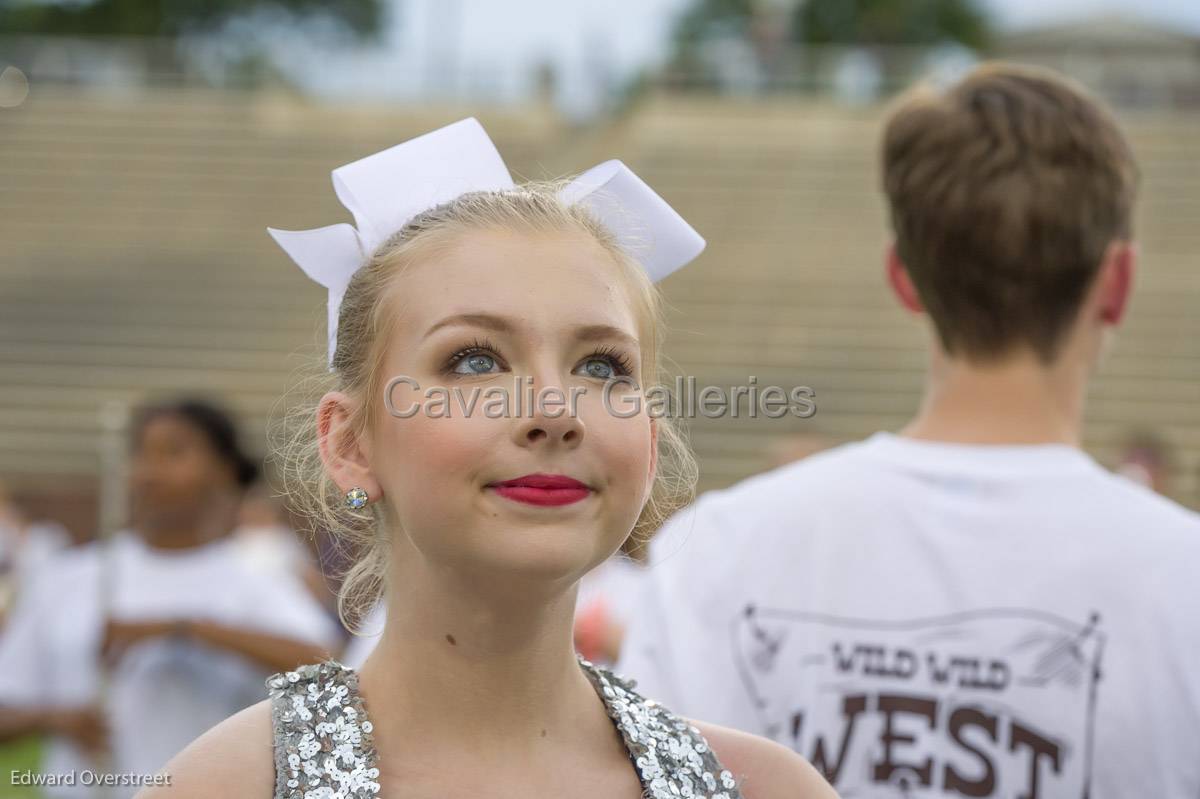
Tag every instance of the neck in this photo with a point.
(1018, 400)
(215, 521)
(176, 537)
(477, 665)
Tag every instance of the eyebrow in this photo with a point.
(502, 325)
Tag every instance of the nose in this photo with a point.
(548, 420)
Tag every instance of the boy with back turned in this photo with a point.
(971, 606)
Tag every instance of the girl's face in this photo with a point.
(511, 487)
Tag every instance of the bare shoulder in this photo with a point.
(236, 758)
(763, 768)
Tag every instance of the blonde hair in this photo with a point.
(363, 329)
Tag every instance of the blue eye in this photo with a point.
(475, 359)
(480, 358)
(599, 368)
(475, 364)
(605, 364)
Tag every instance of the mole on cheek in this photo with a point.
(450, 638)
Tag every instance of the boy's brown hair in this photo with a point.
(1005, 191)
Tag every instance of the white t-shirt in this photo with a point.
(926, 619)
(22, 552)
(164, 692)
(272, 549)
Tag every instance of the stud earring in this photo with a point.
(356, 498)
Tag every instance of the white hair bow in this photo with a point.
(385, 190)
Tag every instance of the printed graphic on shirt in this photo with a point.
(990, 703)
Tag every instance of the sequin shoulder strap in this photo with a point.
(671, 756)
(323, 747)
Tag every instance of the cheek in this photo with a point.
(427, 456)
(623, 444)
(176, 482)
(191, 474)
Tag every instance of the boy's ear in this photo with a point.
(901, 283)
(1116, 280)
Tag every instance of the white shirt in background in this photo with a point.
(23, 551)
(614, 583)
(272, 549)
(607, 597)
(363, 643)
(922, 619)
(164, 692)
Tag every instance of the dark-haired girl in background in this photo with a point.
(187, 632)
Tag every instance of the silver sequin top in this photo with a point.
(323, 747)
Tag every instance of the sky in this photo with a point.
(493, 46)
(637, 30)
(1022, 13)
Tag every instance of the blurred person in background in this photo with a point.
(365, 637)
(267, 543)
(124, 650)
(972, 606)
(1146, 459)
(606, 603)
(25, 544)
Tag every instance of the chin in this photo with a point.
(543, 554)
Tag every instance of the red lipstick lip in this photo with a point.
(550, 481)
(542, 489)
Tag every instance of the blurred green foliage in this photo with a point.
(24, 754)
(171, 18)
(892, 22)
(863, 22)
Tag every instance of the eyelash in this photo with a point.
(615, 357)
(618, 360)
(474, 348)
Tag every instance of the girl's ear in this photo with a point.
(345, 455)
